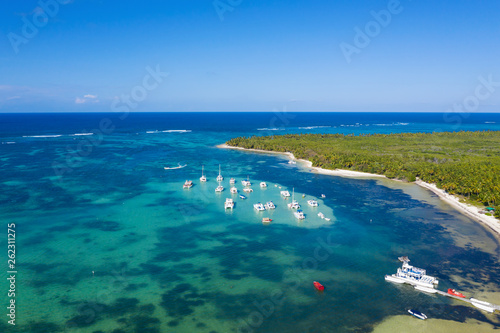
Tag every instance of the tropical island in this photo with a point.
(464, 164)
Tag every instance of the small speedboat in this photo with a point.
(219, 188)
(266, 220)
(417, 314)
(242, 196)
(323, 196)
(247, 189)
(455, 293)
(318, 286)
(188, 184)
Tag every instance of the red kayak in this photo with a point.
(318, 286)
(455, 293)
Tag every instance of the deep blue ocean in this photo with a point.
(108, 241)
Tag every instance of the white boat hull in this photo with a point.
(397, 279)
(485, 306)
(426, 290)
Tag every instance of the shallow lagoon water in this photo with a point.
(116, 244)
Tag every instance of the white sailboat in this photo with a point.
(294, 204)
(202, 178)
(219, 177)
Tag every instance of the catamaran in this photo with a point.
(312, 203)
(247, 189)
(219, 177)
(294, 204)
(299, 214)
(270, 205)
(412, 275)
(202, 178)
(260, 207)
(285, 194)
(232, 181)
(229, 204)
(246, 182)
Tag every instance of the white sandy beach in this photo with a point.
(471, 211)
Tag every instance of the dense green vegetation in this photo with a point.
(462, 163)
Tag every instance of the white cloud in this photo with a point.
(88, 98)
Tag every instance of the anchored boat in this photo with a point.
(229, 204)
(260, 207)
(312, 203)
(417, 314)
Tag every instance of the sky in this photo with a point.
(250, 55)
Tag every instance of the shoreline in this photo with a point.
(470, 211)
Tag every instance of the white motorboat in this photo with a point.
(219, 188)
(270, 205)
(234, 190)
(242, 196)
(299, 214)
(188, 184)
(323, 196)
(219, 177)
(292, 162)
(312, 203)
(229, 204)
(412, 275)
(320, 214)
(327, 219)
(488, 307)
(202, 178)
(263, 184)
(246, 182)
(260, 207)
(417, 314)
(247, 189)
(285, 194)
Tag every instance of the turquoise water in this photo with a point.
(108, 241)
